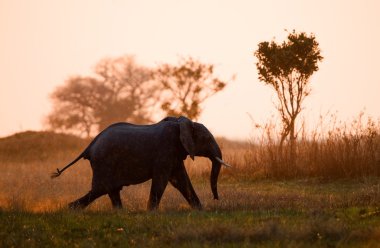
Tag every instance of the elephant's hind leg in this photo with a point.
(85, 200)
(115, 198)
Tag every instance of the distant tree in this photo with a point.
(74, 104)
(186, 86)
(121, 91)
(131, 91)
(287, 68)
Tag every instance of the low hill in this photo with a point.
(31, 146)
(38, 146)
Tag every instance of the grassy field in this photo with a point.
(260, 213)
(295, 213)
(253, 210)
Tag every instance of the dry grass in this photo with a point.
(340, 151)
(250, 212)
(332, 150)
(28, 187)
(257, 207)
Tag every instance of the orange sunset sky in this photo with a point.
(43, 42)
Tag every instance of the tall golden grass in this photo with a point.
(336, 150)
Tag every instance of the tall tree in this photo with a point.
(186, 86)
(120, 91)
(287, 68)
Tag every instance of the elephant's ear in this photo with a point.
(186, 130)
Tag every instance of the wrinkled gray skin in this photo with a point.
(126, 154)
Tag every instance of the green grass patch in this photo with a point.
(345, 228)
(299, 213)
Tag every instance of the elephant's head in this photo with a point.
(198, 141)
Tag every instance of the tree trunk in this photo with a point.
(292, 144)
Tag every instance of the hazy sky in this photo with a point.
(43, 42)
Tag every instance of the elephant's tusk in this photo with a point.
(222, 162)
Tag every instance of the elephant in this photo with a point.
(126, 154)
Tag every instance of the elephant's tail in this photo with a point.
(59, 172)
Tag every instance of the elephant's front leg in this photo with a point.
(181, 181)
(159, 183)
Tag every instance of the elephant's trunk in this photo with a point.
(214, 177)
(216, 165)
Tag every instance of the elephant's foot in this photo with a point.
(85, 200)
(152, 207)
(197, 206)
(75, 205)
(117, 207)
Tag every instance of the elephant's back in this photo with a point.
(134, 141)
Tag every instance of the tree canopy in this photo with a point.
(287, 68)
(120, 91)
(186, 86)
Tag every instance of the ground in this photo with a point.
(267, 213)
